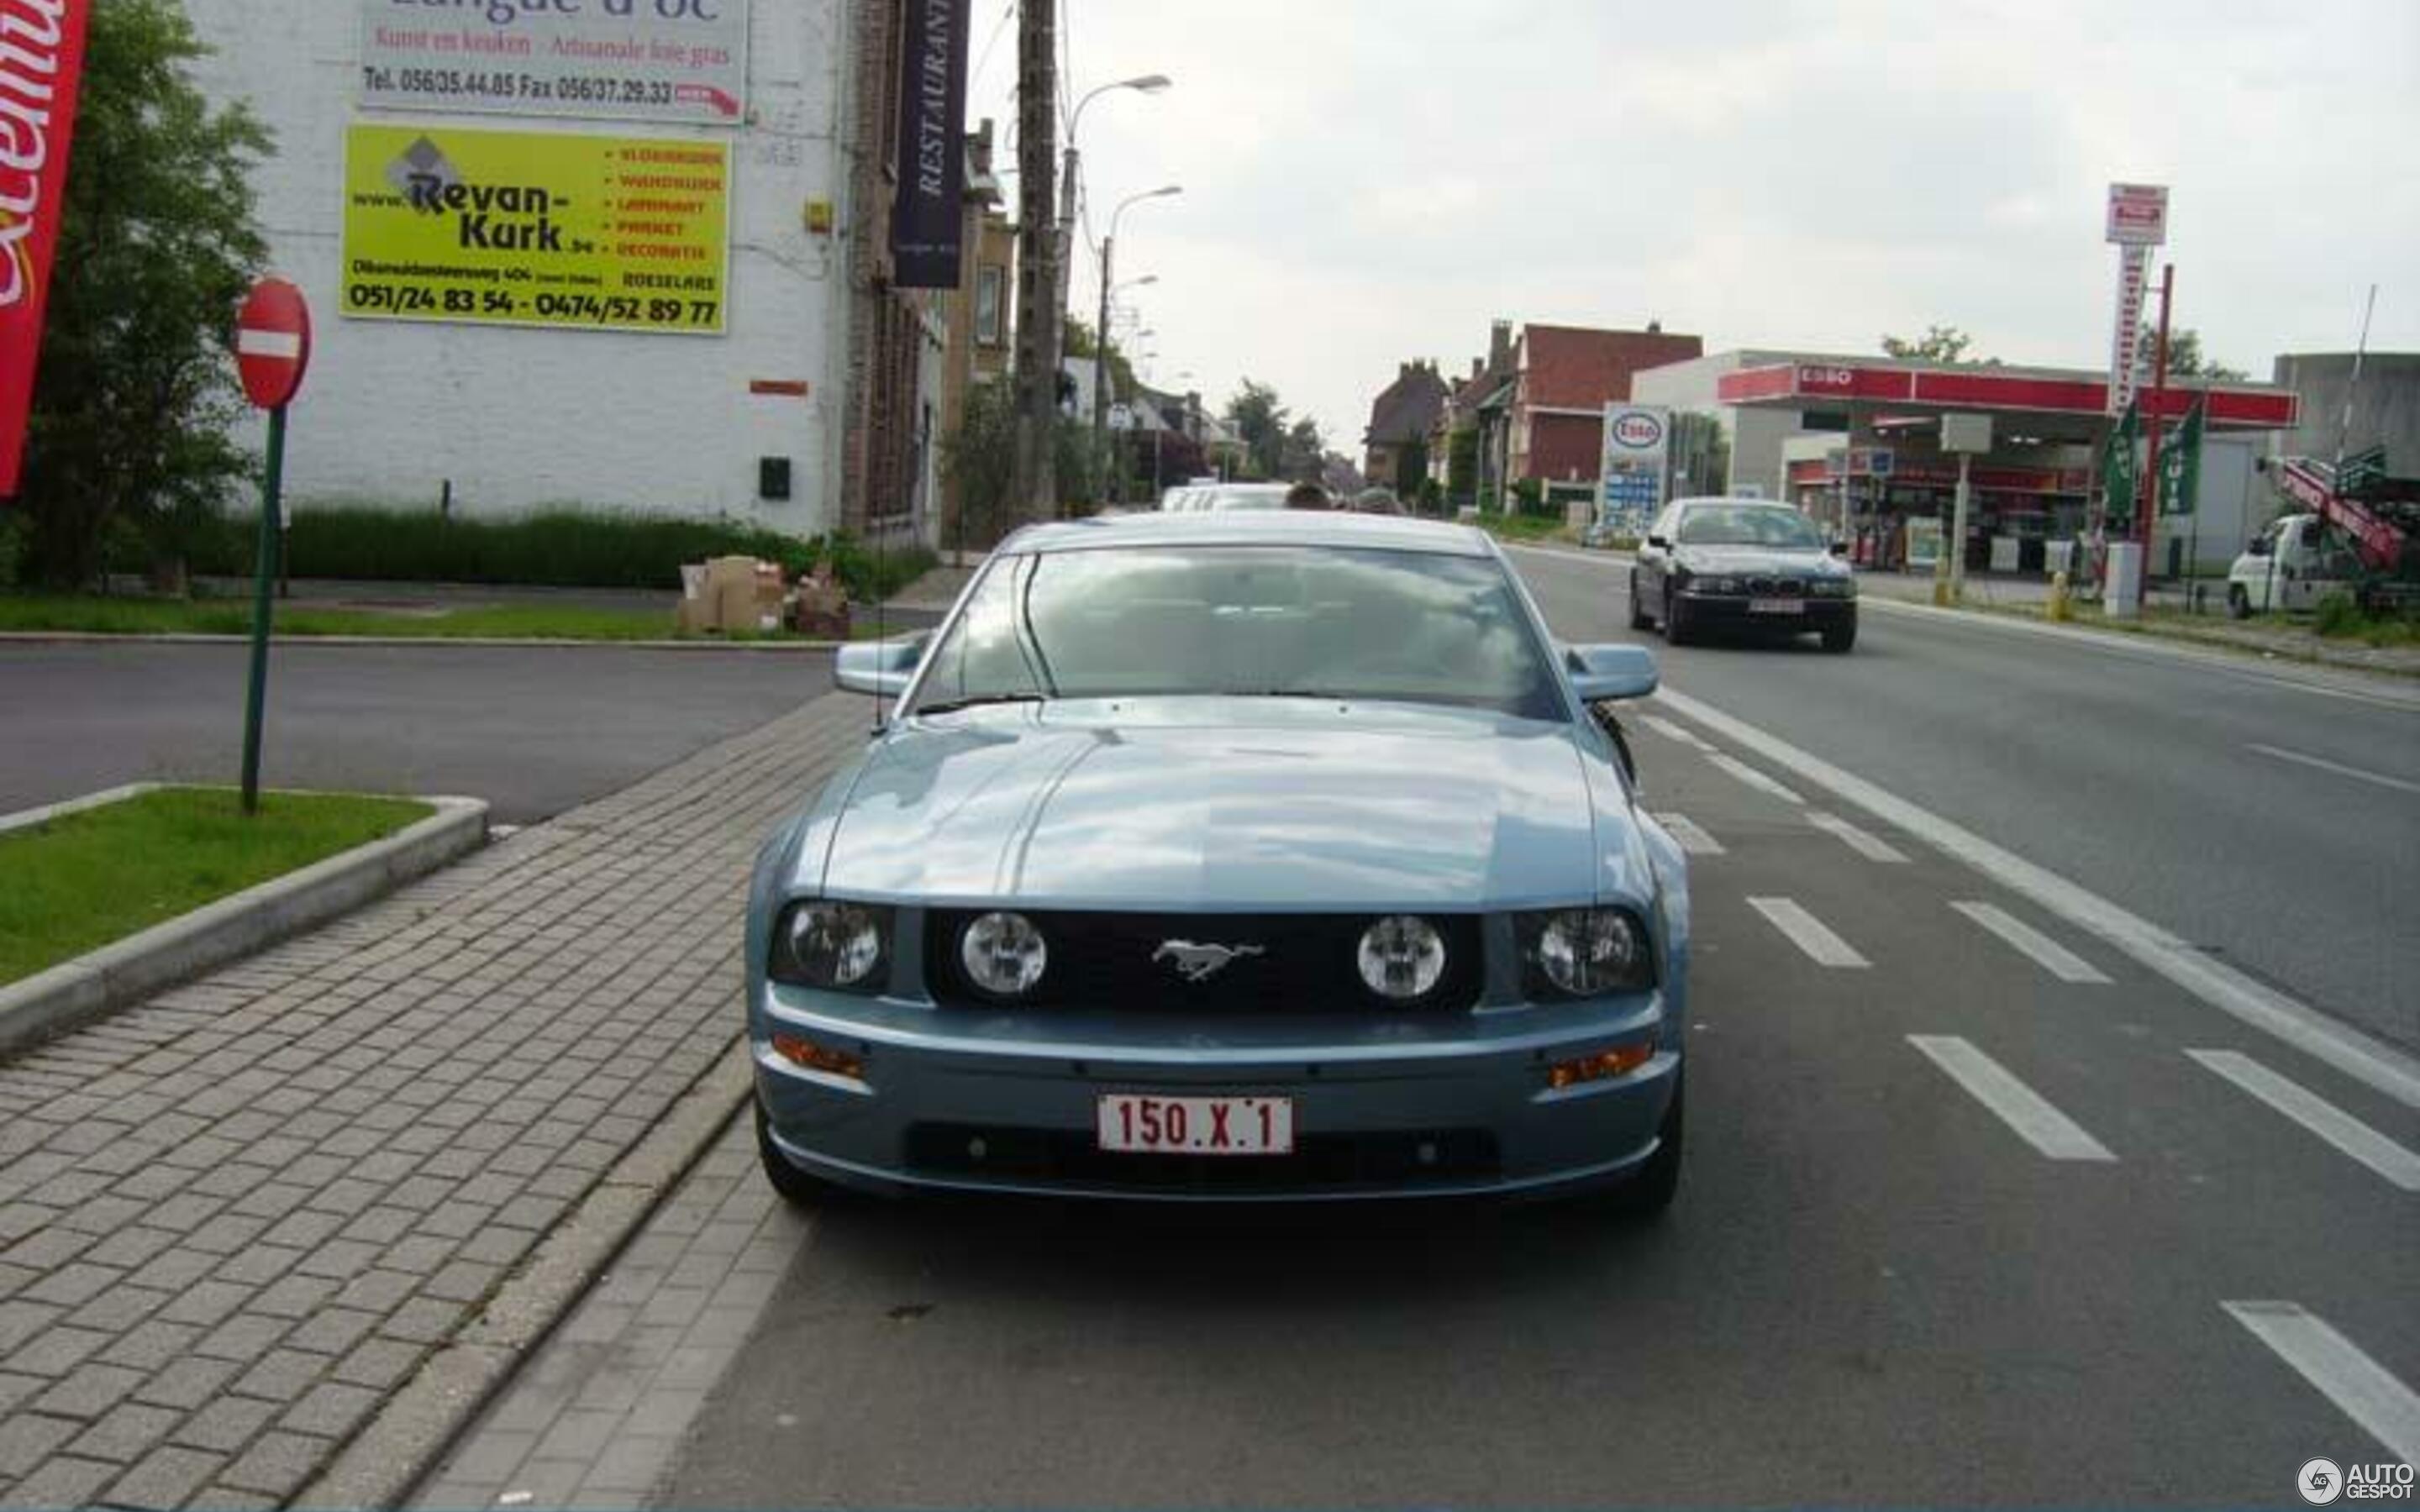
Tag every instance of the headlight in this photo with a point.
(822, 943)
(1587, 953)
(1715, 585)
(1834, 588)
(1401, 957)
(1003, 954)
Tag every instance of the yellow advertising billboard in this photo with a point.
(532, 228)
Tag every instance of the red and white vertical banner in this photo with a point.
(41, 62)
(2137, 221)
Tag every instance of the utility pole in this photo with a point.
(1101, 376)
(1035, 489)
(2147, 509)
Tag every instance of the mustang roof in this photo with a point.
(1263, 527)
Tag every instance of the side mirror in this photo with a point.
(1600, 674)
(2261, 546)
(1840, 549)
(882, 668)
(1659, 543)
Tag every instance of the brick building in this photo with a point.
(1563, 377)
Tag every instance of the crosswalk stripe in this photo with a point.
(1809, 933)
(2349, 1135)
(2047, 953)
(1692, 838)
(1872, 847)
(2363, 1389)
(1753, 777)
(1673, 732)
(2011, 1101)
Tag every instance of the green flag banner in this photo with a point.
(2119, 477)
(2181, 466)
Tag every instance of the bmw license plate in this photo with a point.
(1777, 606)
(1132, 1122)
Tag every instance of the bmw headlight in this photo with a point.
(1587, 953)
(1401, 957)
(818, 943)
(1003, 954)
(1834, 587)
(1717, 585)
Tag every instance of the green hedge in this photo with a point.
(553, 547)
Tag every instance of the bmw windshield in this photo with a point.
(1749, 525)
(1250, 621)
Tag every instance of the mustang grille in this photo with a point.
(1306, 963)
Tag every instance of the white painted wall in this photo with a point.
(519, 417)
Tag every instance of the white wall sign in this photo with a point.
(655, 60)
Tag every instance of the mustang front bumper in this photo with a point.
(1459, 1104)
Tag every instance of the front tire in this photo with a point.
(1650, 1192)
(1838, 639)
(800, 1190)
(2239, 603)
(1639, 618)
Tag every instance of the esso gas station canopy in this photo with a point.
(1922, 389)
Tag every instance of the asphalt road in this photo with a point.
(1980, 1211)
(2269, 819)
(532, 731)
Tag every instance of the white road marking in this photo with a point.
(2362, 1388)
(251, 343)
(2357, 1055)
(2279, 753)
(1808, 933)
(1872, 847)
(1753, 777)
(1693, 839)
(2011, 1101)
(2349, 1135)
(1673, 732)
(2047, 953)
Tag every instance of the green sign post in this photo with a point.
(2181, 466)
(272, 347)
(2120, 480)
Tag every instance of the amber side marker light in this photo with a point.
(815, 1057)
(1597, 1068)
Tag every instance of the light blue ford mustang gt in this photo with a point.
(1214, 857)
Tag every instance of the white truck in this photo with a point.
(2363, 542)
(2295, 562)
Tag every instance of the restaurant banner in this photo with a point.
(40, 67)
(928, 213)
(667, 61)
(528, 228)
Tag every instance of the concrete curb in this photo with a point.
(416, 1428)
(28, 818)
(104, 638)
(132, 968)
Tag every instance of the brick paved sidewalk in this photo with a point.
(235, 1220)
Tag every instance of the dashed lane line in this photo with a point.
(2347, 1135)
(1809, 933)
(2019, 1107)
(1753, 777)
(1691, 839)
(2365, 1058)
(2045, 952)
(1872, 847)
(2361, 1389)
(2339, 768)
(1682, 734)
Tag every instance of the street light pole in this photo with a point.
(1149, 83)
(1101, 335)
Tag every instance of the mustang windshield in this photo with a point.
(1256, 621)
(1747, 525)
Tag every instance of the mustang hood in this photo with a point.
(1291, 811)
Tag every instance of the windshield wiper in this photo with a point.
(975, 701)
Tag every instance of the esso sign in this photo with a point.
(1638, 432)
(1827, 379)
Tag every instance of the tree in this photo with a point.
(980, 460)
(1259, 422)
(1461, 466)
(1305, 451)
(1939, 344)
(136, 394)
(2185, 359)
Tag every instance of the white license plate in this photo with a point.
(1131, 1121)
(1777, 606)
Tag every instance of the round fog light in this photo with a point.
(1003, 954)
(1402, 956)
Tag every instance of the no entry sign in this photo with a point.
(272, 343)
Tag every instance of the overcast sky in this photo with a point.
(1368, 181)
